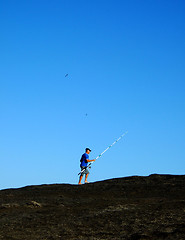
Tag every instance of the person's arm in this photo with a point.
(90, 160)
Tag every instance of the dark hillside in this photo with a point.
(131, 208)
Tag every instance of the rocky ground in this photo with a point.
(130, 208)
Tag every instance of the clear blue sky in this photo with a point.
(125, 62)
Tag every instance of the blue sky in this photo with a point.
(125, 62)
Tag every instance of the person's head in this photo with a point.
(87, 150)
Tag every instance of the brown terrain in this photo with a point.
(133, 208)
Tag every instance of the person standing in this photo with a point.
(84, 162)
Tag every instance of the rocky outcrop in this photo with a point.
(133, 208)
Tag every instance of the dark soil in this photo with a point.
(133, 208)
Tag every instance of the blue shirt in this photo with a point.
(83, 160)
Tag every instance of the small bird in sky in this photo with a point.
(86, 114)
(66, 75)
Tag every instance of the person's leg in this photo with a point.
(80, 179)
(86, 177)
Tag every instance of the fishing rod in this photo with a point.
(103, 152)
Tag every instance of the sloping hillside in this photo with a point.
(131, 208)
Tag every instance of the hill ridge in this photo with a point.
(134, 207)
